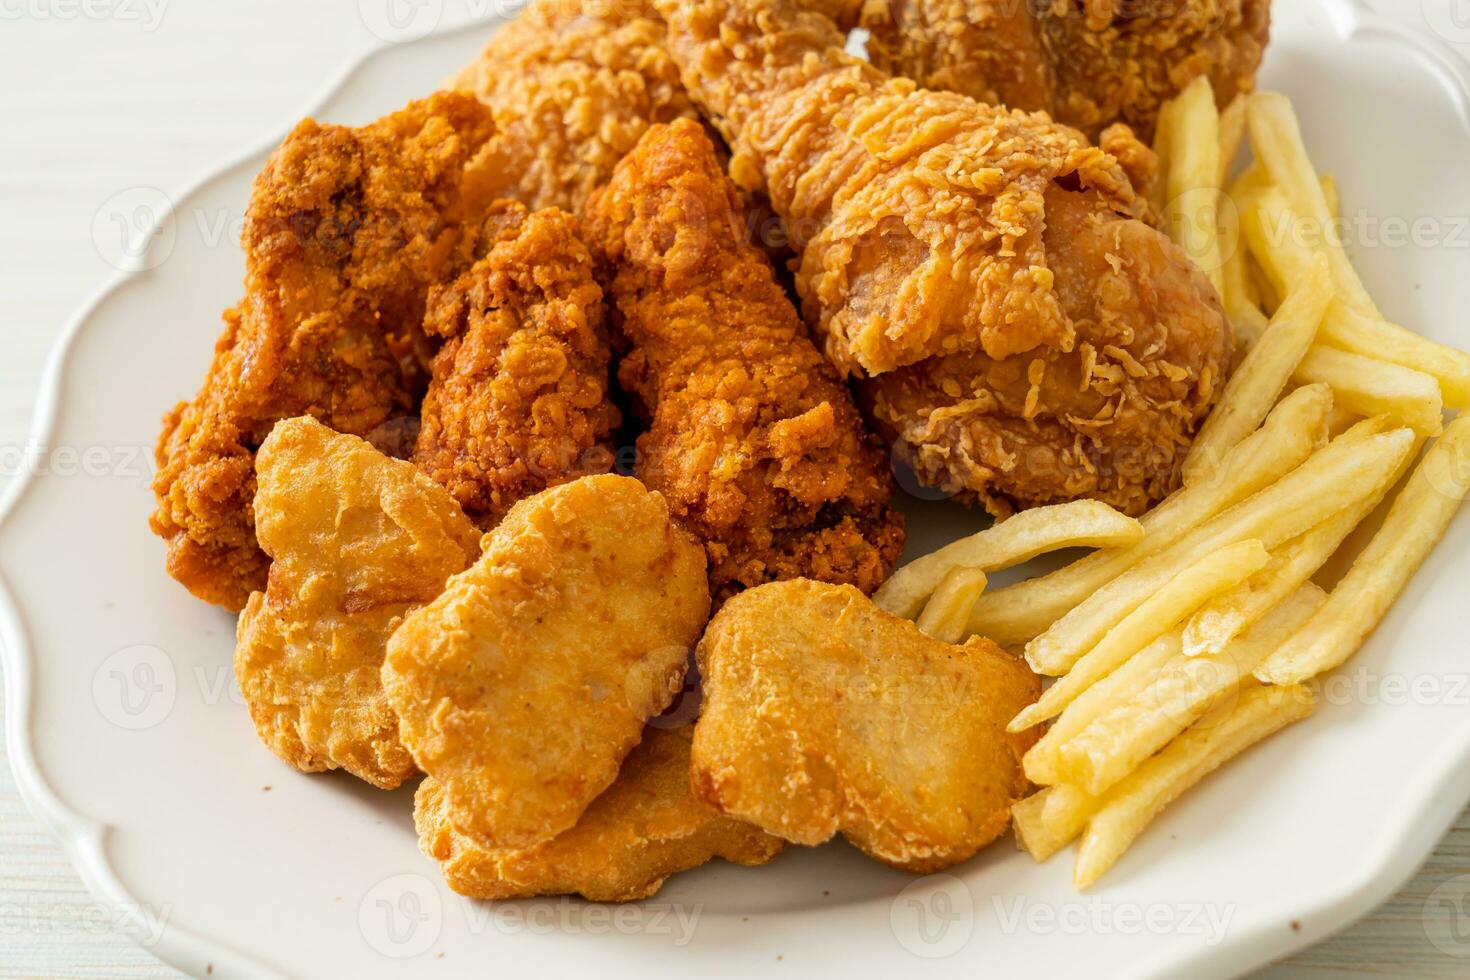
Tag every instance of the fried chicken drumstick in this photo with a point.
(1025, 337)
(346, 230)
(1090, 63)
(519, 397)
(751, 435)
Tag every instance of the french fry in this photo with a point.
(947, 612)
(1158, 193)
(1259, 380)
(1186, 689)
(1415, 523)
(1049, 820)
(1239, 296)
(1370, 386)
(1266, 230)
(1329, 191)
(1215, 572)
(1277, 140)
(1014, 615)
(1079, 523)
(1041, 761)
(1226, 616)
(1333, 479)
(1232, 135)
(1132, 804)
(1194, 177)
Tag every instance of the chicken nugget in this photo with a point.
(357, 540)
(522, 688)
(823, 713)
(645, 827)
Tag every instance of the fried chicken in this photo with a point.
(825, 714)
(519, 397)
(358, 540)
(1014, 366)
(573, 84)
(646, 826)
(346, 230)
(751, 436)
(525, 684)
(1089, 63)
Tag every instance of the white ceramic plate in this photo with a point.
(128, 738)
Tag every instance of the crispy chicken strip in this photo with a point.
(573, 84)
(1090, 63)
(646, 826)
(358, 540)
(525, 684)
(751, 436)
(824, 714)
(519, 397)
(938, 241)
(345, 232)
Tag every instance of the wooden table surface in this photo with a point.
(109, 95)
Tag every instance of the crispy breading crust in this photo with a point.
(1090, 64)
(573, 85)
(1025, 338)
(519, 397)
(646, 826)
(358, 540)
(822, 713)
(346, 230)
(751, 436)
(525, 684)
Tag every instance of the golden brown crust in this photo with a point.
(1090, 63)
(573, 85)
(358, 540)
(824, 714)
(346, 230)
(519, 396)
(522, 687)
(1025, 337)
(751, 435)
(646, 826)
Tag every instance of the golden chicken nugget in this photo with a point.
(645, 827)
(357, 540)
(823, 713)
(522, 687)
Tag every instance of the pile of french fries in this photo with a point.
(1193, 633)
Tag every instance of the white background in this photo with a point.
(101, 96)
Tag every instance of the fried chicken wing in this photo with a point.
(1089, 63)
(345, 231)
(824, 714)
(525, 684)
(357, 540)
(519, 397)
(751, 435)
(573, 85)
(927, 256)
(645, 827)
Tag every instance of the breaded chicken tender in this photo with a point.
(346, 230)
(573, 85)
(519, 396)
(1090, 63)
(750, 435)
(646, 826)
(525, 684)
(1025, 335)
(824, 714)
(357, 540)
